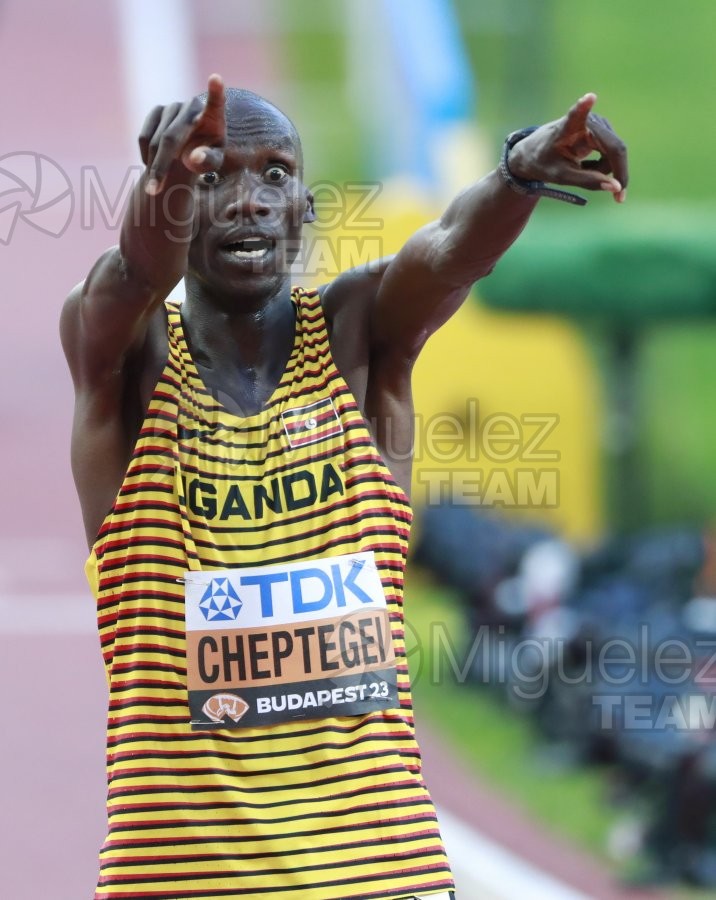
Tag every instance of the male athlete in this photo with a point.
(247, 525)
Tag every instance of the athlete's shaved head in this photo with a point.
(247, 110)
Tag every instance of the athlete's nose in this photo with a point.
(251, 201)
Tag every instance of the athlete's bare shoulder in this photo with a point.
(109, 406)
(353, 291)
(348, 303)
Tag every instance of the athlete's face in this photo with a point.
(249, 214)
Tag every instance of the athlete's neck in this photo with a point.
(241, 354)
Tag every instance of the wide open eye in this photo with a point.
(275, 174)
(209, 178)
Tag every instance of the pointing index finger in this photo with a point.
(576, 118)
(215, 93)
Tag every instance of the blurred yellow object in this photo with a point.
(508, 407)
(529, 398)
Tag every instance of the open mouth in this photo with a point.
(253, 248)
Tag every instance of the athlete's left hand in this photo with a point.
(561, 152)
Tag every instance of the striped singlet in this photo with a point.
(313, 809)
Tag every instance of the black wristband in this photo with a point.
(531, 188)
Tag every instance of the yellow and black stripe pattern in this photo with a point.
(322, 809)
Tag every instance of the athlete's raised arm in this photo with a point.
(432, 274)
(106, 316)
(106, 320)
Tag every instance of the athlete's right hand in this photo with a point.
(191, 133)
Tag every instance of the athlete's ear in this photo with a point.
(310, 213)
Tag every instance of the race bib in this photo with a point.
(292, 641)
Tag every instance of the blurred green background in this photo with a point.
(652, 66)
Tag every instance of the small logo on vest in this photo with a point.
(218, 707)
(220, 601)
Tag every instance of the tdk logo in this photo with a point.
(264, 596)
(220, 601)
(311, 589)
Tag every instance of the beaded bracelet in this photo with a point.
(533, 188)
